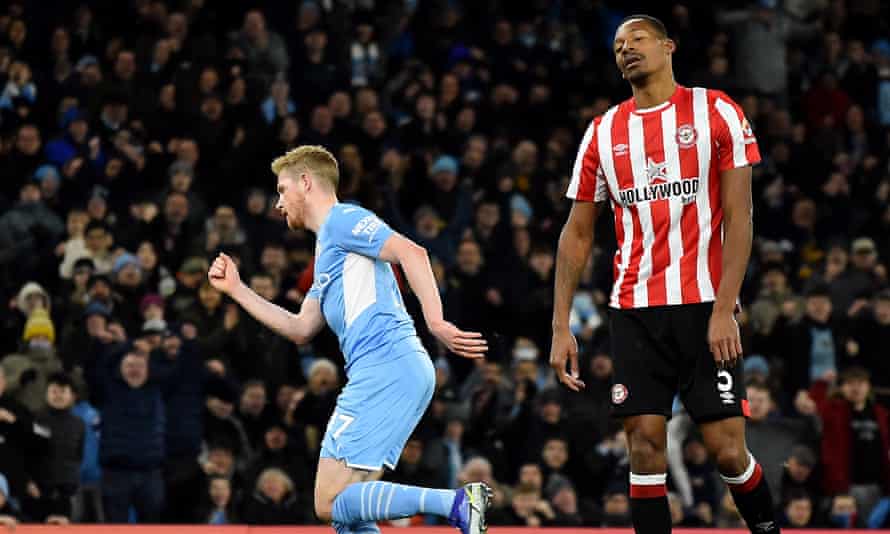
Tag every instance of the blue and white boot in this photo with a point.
(468, 511)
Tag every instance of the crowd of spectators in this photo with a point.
(135, 142)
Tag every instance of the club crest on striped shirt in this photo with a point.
(686, 136)
(619, 393)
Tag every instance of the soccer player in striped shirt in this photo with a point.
(675, 165)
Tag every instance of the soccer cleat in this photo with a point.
(470, 505)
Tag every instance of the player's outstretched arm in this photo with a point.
(299, 328)
(575, 244)
(416, 263)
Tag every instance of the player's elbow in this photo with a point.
(409, 251)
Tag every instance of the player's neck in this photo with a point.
(318, 211)
(656, 90)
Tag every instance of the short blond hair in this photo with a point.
(312, 158)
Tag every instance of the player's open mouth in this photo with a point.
(632, 61)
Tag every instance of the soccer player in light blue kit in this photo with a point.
(390, 376)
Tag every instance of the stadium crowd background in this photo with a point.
(135, 142)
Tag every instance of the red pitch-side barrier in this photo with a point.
(150, 529)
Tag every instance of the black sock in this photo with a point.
(752, 497)
(649, 508)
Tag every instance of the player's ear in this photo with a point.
(670, 46)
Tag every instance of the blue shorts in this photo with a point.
(378, 410)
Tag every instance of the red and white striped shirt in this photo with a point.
(660, 168)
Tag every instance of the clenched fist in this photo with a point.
(223, 274)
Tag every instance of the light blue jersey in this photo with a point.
(357, 291)
(391, 377)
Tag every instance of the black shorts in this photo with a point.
(663, 351)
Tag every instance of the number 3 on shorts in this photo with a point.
(347, 420)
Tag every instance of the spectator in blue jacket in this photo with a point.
(75, 149)
(133, 448)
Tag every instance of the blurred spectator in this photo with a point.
(264, 49)
(59, 476)
(9, 515)
(274, 501)
(855, 438)
(527, 509)
(812, 348)
(770, 436)
(218, 508)
(132, 449)
(843, 513)
(872, 325)
(799, 512)
(799, 474)
(21, 439)
(29, 369)
(616, 507)
(411, 468)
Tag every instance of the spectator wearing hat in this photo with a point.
(59, 473)
(75, 153)
(47, 179)
(770, 435)
(189, 278)
(855, 438)
(29, 369)
(30, 296)
(799, 474)
(128, 285)
(862, 278)
(811, 349)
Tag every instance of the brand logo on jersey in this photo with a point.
(620, 149)
(367, 226)
(660, 187)
(747, 132)
(619, 393)
(321, 281)
(724, 386)
(686, 136)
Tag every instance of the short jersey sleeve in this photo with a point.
(588, 183)
(735, 142)
(356, 229)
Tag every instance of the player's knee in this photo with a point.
(732, 459)
(647, 454)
